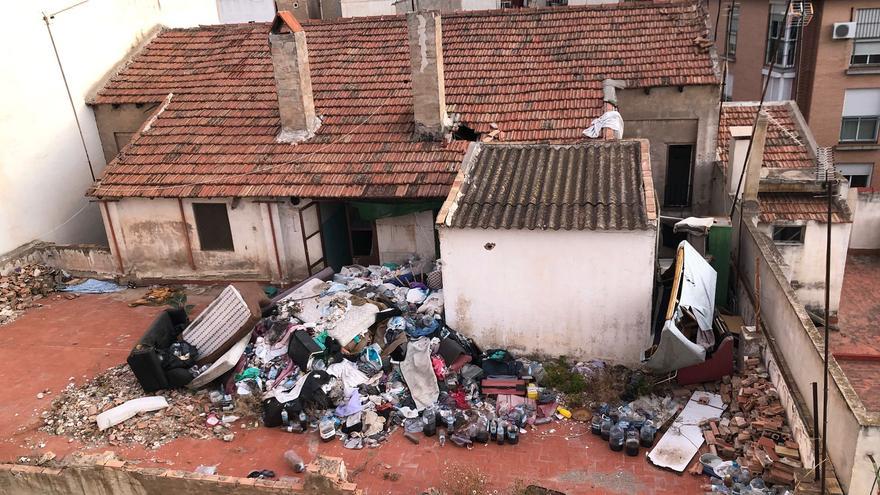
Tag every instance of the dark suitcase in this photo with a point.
(302, 348)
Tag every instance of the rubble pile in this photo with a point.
(73, 413)
(24, 287)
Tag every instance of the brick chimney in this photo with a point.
(426, 60)
(737, 150)
(752, 180)
(293, 82)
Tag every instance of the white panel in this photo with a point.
(239, 11)
(861, 102)
(855, 168)
(866, 48)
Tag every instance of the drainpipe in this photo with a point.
(113, 238)
(189, 249)
(82, 137)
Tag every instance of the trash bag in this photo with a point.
(500, 362)
(272, 411)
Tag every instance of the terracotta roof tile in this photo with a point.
(780, 150)
(800, 206)
(536, 73)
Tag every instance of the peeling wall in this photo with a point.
(152, 241)
(585, 294)
(668, 116)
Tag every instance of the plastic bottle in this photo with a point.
(493, 430)
(513, 434)
(596, 424)
(646, 434)
(294, 461)
(532, 391)
(303, 421)
(502, 428)
(450, 424)
(616, 438)
(605, 429)
(430, 419)
(632, 442)
(441, 437)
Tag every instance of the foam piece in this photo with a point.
(128, 410)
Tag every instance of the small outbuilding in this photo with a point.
(552, 248)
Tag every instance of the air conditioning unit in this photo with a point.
(844, 30)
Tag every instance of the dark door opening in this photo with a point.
(362, 238)
(679, 170)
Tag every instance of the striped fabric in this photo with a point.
(215, 329)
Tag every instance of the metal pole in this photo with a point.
(825, 327)
(815, 430)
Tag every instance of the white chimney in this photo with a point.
(293, 82)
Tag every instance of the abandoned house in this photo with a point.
(790, 191)
(337, 141)
(553, 224)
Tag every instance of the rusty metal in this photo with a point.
(185, 226)
(275, 241)
(113, 238)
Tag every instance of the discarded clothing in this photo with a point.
(349, 374)
(419, 373)
(611, 120)
(92, 286)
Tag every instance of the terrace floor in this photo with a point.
(81, 337)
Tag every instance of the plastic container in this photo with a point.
(493, 430)
(647, 433)
(631, 444)
(565, 413)
(430, 419)
(532, 391)
(605, 429)
(294, 461)
(327, 429)
(513, 434)
(616, 438)
(596, 425)
(502, 428)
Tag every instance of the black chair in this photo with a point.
(145, 361)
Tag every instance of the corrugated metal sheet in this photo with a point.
(593, 186)
(867, 23)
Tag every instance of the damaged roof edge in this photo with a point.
(648, 192)
(451, 202)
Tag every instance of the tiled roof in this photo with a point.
(780, 149)
(536, 73)
(560, 187)
(800, 206)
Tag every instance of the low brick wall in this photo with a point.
(84, 260)
(116, 477)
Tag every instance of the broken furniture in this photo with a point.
(683, 439)
(228, 320)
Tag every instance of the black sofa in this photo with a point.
(145, 360)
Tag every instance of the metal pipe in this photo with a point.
(113, 238)
(82, 137)
(815, 429)
(274, 241)
(827, 332)
(189, 249)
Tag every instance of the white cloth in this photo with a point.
(349, 374)
(611, 120)
(419, 373)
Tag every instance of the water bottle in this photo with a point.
(615, 438)
(596, 425)
(513, 434)
(605, 429)
(632, 442)
(441, 437)
(294, 461)
(502, 429)
(303, 421)
(646, 434)
(450, 423)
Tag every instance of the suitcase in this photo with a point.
(302, 349)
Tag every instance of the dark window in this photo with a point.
(678, 175)
(212, 223)
(732, 32)
(781, 37)
(861, 129)
(857, 174)
(788, 235)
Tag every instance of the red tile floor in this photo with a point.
(857, 345)
(81, 337)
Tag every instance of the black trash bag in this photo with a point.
(180, 354)
(272, 411)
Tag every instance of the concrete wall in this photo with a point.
(866, 221)
(578, 293)
(401, 237)
(43, 167)
(80, 260)
(117, 123)
(238, 11)
(805, 263)
(362, 8)
(852, 431)
(152, 242)
(668, 116)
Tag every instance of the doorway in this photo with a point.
(679, 175)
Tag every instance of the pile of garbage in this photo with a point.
(73, 413)
(24, 287)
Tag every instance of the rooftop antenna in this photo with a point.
(825, 170)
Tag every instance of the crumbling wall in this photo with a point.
(585, 294)
(84, 260)
(800, 345)
(866, 222)
(155, 242)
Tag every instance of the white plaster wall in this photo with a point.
(866, 222)
(578, 293)
(863, 470)
(363, 8)
(152, 242)
(43, 168)
(237, 11)
(806, 262)
(479, 4)
(401, 237)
